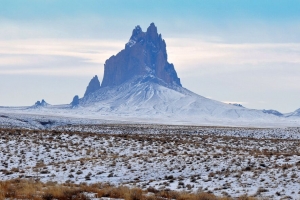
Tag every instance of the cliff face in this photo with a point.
(144, 55)
(93, 86)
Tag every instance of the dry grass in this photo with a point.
(30, 189)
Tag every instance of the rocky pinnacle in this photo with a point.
(144, 55)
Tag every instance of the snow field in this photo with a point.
(191, 160)
(141, 101)
(258, 133)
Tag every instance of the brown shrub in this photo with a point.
(245, 197)
(30, 189)
(205, 196)
(134, 194)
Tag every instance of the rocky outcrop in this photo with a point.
(144, 55)
(237, 104)
(273, 112)
(41, 103)
(93, 86)
(75, 101)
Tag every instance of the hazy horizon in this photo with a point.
(230, 51)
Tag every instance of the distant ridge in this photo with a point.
(42, 103)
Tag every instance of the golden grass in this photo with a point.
(30, 189)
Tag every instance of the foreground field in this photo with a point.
(193, 159)
(31, 189)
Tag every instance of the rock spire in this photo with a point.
(144, 55)
(93, 86)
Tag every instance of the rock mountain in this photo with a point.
(141, 86)
(139, 82)
(144, 56)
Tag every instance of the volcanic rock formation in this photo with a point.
(144, 55)
(93, 86)
(75, 101)
(41, 103)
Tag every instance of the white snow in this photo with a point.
(131, 42)
(181, 160)
(147, 102)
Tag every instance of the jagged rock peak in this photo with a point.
(152, 32)
(145, 55)
(136, 32)
(41, 103)
(93, 86)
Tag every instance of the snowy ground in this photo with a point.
(45, 118)
(222, 160)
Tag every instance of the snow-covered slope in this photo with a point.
(295, 114)
(140, 98)
(147, 100)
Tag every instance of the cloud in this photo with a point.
(55, 57)
(93, 50)
(235, 72)
(190, 51)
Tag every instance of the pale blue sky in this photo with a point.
(231, 51)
